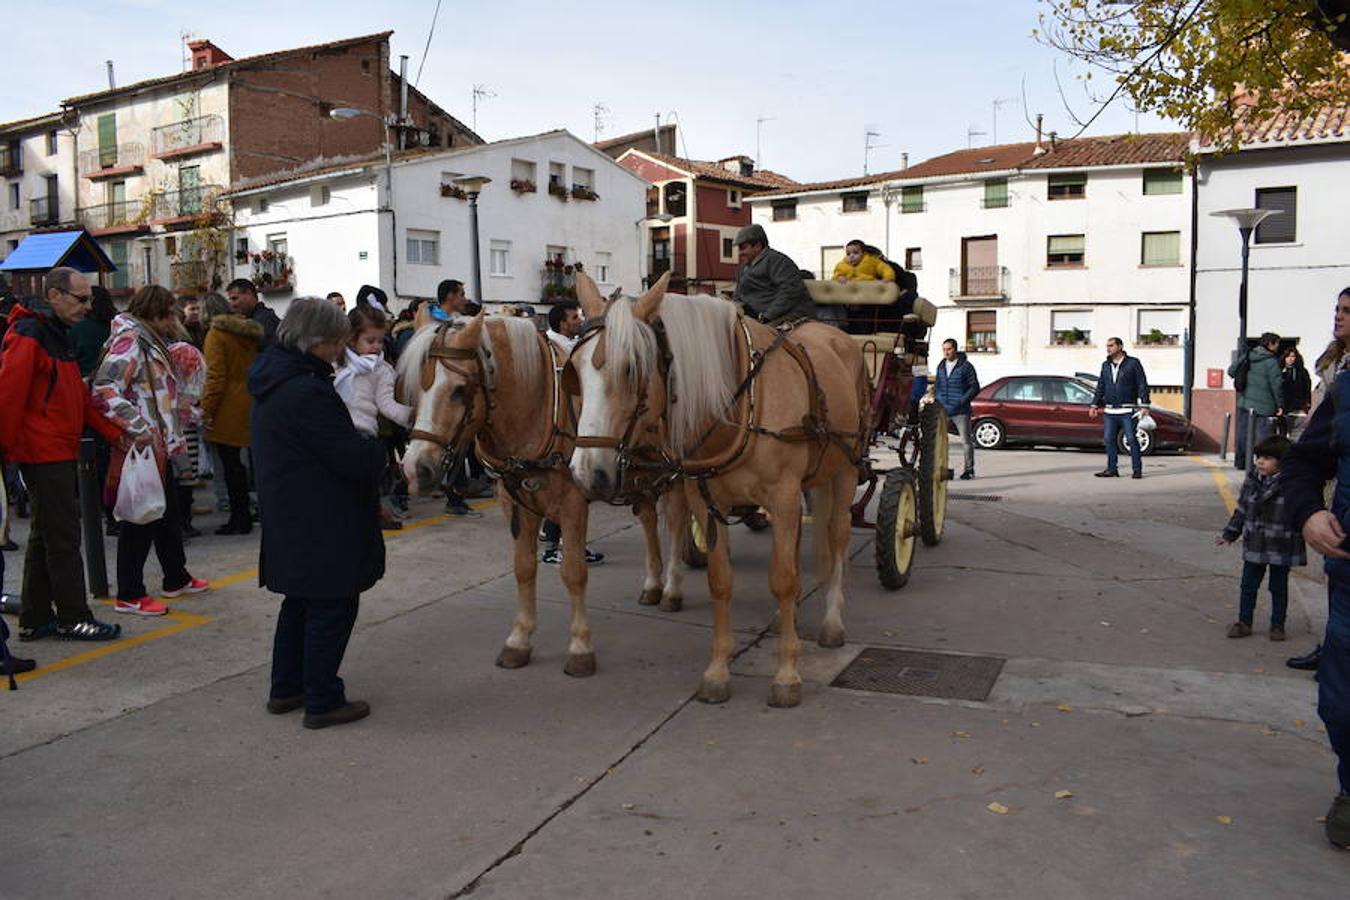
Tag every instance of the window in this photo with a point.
(583, 179)
(911, 199)
(604, 262)
(1069, 186)
(1027, 390)
(556, 252)
(241, 250)
(1064, 251)
(675, 198)
(13, 245)
(499, 259)
(855, 202)
(1160, 327)
(1070, 327)
(982, 330)
(107, 140)
(996, 193)
(51, 143)
(261, 205)
(171, 246)
(557, 179)
(1062, 390)
(116, 193)
(728, 249)
(733, 198)
(14, 195)
(424, 247)
(117, 253)
(914, 258)
(320, 194)
(1162, 181)
(784, 210)
(1280, 228)
(829, 258)
(1160, 248)
(523, 178)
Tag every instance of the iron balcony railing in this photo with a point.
(195, 201)
(112, 156)
(983, 282)
(44, 210)
(112, 215)
(179, 136)
(11, 159)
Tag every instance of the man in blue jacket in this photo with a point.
(957, 385)
(1121, 387)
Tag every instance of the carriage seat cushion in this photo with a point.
(853, 293)
(925, 311)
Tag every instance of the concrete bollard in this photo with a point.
(1223, 438)
(91, 520)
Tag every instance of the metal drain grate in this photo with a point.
(919, 674)
(983, 498)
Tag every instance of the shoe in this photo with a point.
(195, 586)
(19, 665)
(1277, 632)
(1107, 473)
(1307, 662)
(1338, 822)
(144, 606)
(351, 711)
(90, 629)
(388, 522)
(9, 546)
(37, 633)
(593, 558)
(235, 528)
(966, 476)
(1136, 475)
(279, 706)
(459, 508)
(552, 557)
(189, 532)
(1239, 630)
(478, 489)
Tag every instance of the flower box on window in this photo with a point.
(453, 190)
(523, 186)
(557, 190)
(1157, 338)
(580, 192)
(1073, 337)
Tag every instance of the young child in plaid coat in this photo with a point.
(1267, 539)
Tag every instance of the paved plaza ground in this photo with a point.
(1127, 749)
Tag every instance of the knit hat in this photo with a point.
(752, 234)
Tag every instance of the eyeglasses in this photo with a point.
(83, 298)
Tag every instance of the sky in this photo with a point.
(820, 75)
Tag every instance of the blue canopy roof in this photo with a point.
(49, 249)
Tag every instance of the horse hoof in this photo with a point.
(513, 657)
(785, 695)
(580, 665)
(650, 597)
(673, 603)
(714, 691)
(831, 637)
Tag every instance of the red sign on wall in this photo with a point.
(1214, 378)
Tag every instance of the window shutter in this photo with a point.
(1066, 243)
(1278, 229)
(1161, 248)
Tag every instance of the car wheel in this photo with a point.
(1146, 442)
(990, 434)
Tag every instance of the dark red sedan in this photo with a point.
(1053, 410)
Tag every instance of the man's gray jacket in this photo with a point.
(770, 288)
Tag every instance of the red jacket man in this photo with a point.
(44, 408)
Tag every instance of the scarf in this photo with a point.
(345, 380)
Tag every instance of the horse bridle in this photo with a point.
(478, 381)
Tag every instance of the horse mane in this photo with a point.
(409, 367)
(703, 377)
(522, 340)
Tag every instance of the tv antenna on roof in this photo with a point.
(599, 116)
(998, 102)
(759, 160)
(480, 92)
(868, 147)
(971, 133)
(183, 37)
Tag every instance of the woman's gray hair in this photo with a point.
(311, 321)
(213, 305)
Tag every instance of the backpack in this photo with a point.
(1240, 373)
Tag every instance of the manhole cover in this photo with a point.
(983, 498)
(919, 674)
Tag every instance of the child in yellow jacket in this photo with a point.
(860, 265)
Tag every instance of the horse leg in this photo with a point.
(716, 684)
(835, 522)
(580, 652)
(785, 583)
(516, 653)
(678, 534)
(651, 583)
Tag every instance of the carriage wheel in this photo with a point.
(695, 551)
(897, 527)
(933, 473)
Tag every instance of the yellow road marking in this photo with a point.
(183, 621)
(1221, 479)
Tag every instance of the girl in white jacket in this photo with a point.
(365, 380)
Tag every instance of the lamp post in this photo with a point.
(1246, 221)
(344, 113)
(473, 186)
(642, 257)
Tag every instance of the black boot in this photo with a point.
(1308, 662)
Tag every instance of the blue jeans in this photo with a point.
(310, 642)
(1114, 424)
(1333, 679)
(1251, 583)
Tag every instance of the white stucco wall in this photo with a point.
(15, 222)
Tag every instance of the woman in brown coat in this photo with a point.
(231, 343)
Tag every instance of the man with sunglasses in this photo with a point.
(44, 408)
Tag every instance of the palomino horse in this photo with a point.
(752, 417)
(496, 382)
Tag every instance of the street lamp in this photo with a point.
(642, 257)
(1246, 221)
(345, 113)
(473, 186)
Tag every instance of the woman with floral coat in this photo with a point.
(137, 388)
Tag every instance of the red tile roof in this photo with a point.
(762, 179)
(1330, 123)
(1115, 150)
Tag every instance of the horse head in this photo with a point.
(443, 375)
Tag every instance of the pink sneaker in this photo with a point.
(195, 586)
(142, 607)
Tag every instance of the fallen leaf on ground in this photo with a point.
(1106, 624)
(997, 808)
(978, 770)
(1224, 820)
(1300, 722)
(1035, 724)
(961, 734)
(1063, 795)
(629, 805)
(1064, 707)
(919, 760)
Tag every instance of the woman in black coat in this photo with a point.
(1296, 391)
(318, 496)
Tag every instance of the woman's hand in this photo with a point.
(1324, 534)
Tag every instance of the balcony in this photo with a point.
(187, 137)
(273, 272)
(185, 207)
(112, 161)
(121, 217)
(44, 211)
(979, 283)
(11, 160)
(193, 277)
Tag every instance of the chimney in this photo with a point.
(112, 82)
(1054, 140)
(402, 97)
(904, 161)
(206, 54)
(1039, 149)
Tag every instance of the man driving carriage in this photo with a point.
(769, 284)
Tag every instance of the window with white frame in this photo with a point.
(604, 263)
(1160, 248)
(1281, 228)
(830, 255)
(1065, 251)
(1162, 181)
(913, 258)
(728, 248)
(1160, 327)
(261, 205)
(733, 198)
(320, 194)
(854, 201)
(51, 143)
(524, 178)
(1071, 327)
(424, 247)
(556, 253)
(14, 195)
(499, 259)
(557, 178)
(583, 178)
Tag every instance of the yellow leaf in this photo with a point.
(1224, 820)
(1300, 722)
(1063, 795)
(919, 760)
(997, 808)
(978, 770)
(961, 734)
(1064, 707)
(629, 805)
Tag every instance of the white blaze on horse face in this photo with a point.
(594, 421)
(423, 453)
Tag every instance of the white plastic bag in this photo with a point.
(1146, 422)
(140, 493)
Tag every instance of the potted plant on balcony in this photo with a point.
(453, 190)
(523, 186)
(581, 192)
(557, 190)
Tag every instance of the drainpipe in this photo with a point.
(402, 100)
(1188, 372)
